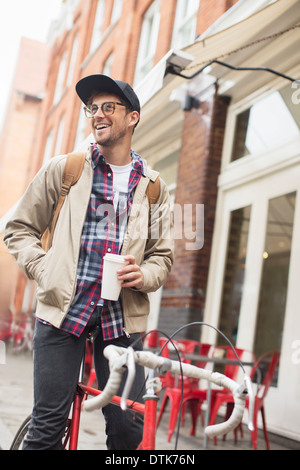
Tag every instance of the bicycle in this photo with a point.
(22, 335)
(121, 359)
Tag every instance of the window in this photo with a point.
(275, 273)
(184, 32)
(80, 133)
(74, 3)
(59, 137)
(48, 147)
(107, 65)
(117, 10)
(234, 272)
(148, 41)
(97, 31)
(266, 124)
(73, 60)
(60, 82)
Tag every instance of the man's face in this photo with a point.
(115, 128)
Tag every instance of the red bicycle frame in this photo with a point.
(148, 442)
(148, 409)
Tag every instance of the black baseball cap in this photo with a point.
(102, 83)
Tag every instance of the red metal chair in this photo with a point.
(220, 397)
(174, 385)
(271, 358)
(151, 340)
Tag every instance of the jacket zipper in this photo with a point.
(126, 332)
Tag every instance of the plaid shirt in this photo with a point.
(101, 234)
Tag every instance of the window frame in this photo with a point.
(148, 36)
(189, 20)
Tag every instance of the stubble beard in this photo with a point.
(112, 139)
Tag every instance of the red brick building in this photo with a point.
(17, 166)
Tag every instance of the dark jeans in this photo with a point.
(57, 360)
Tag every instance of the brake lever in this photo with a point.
(246, 388)
(130, 364)
(248, 384)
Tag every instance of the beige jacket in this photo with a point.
(55, 272)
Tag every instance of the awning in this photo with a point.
(269, 37)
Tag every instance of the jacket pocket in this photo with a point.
(135, 303)
(51, 287)
(41, 267)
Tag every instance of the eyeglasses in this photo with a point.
(107, 108)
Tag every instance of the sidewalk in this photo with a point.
(16, 404)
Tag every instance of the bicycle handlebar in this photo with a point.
(120, 358)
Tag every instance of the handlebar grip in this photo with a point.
(116, 362)
(106, 396)
(234, 420)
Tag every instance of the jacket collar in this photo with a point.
(97, 158)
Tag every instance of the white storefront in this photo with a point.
(253, 289)
(258, 194)
(261, 191)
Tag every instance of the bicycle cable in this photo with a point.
(169, 338)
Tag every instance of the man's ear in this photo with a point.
(134, 118)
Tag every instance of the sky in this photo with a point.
(20, 18)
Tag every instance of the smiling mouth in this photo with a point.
(100, 127)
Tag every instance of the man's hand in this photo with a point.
(131, 274)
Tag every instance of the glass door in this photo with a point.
(268, 325)
(275, 273)
(234, 274)
(250, 266)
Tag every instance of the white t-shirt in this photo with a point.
(121, 176)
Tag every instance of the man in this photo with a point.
(100, 215)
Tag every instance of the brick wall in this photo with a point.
(17, 141)
(199, 166)
(210, 11)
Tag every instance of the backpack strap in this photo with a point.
(153, 192)
(72, 172)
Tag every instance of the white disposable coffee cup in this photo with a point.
(111, 285)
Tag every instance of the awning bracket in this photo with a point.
(170, 69)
